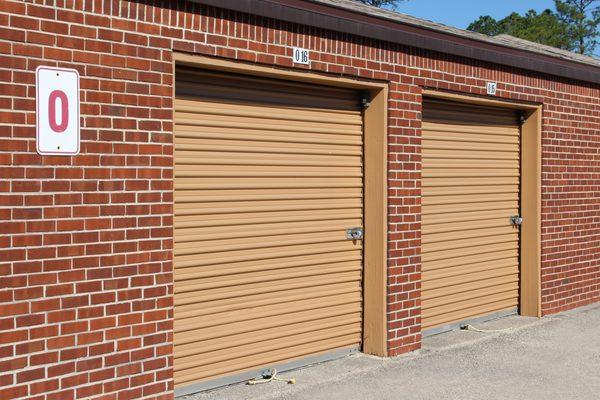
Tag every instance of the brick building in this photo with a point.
(200, 235)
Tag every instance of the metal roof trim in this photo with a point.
(333, 16)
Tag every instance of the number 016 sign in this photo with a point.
(57, 111)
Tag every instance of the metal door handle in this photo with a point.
(354, 233)
(516, 220)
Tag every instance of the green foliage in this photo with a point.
(486, 25)
(573, 26)
(582, 18)
(544, 28)
(382, 3)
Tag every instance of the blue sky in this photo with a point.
(461, 13)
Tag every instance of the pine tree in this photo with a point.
(574, 26)
(582, 18)
(382, 3)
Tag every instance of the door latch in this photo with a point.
(354, 233)
(516, 220)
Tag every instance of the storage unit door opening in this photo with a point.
(470, 191)
(268, 177)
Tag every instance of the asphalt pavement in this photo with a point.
(555, 357)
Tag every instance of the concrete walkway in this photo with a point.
(556, 357)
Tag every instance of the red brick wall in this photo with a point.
(85, 241)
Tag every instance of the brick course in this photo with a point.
(86, 242)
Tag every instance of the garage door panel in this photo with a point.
(471, 137)
(468, 172)
(470, 188)
(185, 183)
(219, 305)
(284, 114)
(482, 223)
(194, 297)
(187, 134)
(485, 246)
(221, 195)
(275, 206)
(187, 351)
(190, 157)
(468, 163)
(268, 177)
(471, 114)
(233, 351)
(465, 259)
(267, 229)
(279, 95)
(275, 313)
(250, 307)
(203, 170)
(462, 154)
(467, 289)
(434, 220)
(468, 276)
(462, 313)
(449, 128)
(224, 131)
(469, 198)
(247, 278)
(246, 363)
(465, 266)
(192, 260)
(256, 324)
(267, 121)
(321, 204)
(225, 269)
(220, 93)
(214, 84)
(249, 327)
(435, 209)
(221, 300)
(245, 218)
(268, 147)
(502, 231)
(468, 146)
(456, 303)
(454, 244)
(470, 181)
(490, 304)
(264, 242)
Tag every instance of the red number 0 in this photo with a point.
(64, 108)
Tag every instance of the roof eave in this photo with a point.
(349, 22)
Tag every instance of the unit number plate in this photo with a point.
(301, 56)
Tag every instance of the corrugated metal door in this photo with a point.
(268, 176)
(471, 174)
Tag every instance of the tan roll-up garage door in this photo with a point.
(268, 177)
(471, 177)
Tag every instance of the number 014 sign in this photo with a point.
(57, 111)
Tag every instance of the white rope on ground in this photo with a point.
(269, 378)
(470, 327)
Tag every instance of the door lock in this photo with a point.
(516, 220)
(354, 233)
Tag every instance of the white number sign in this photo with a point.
(491, 88)
(301, 56)
(57, 111)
